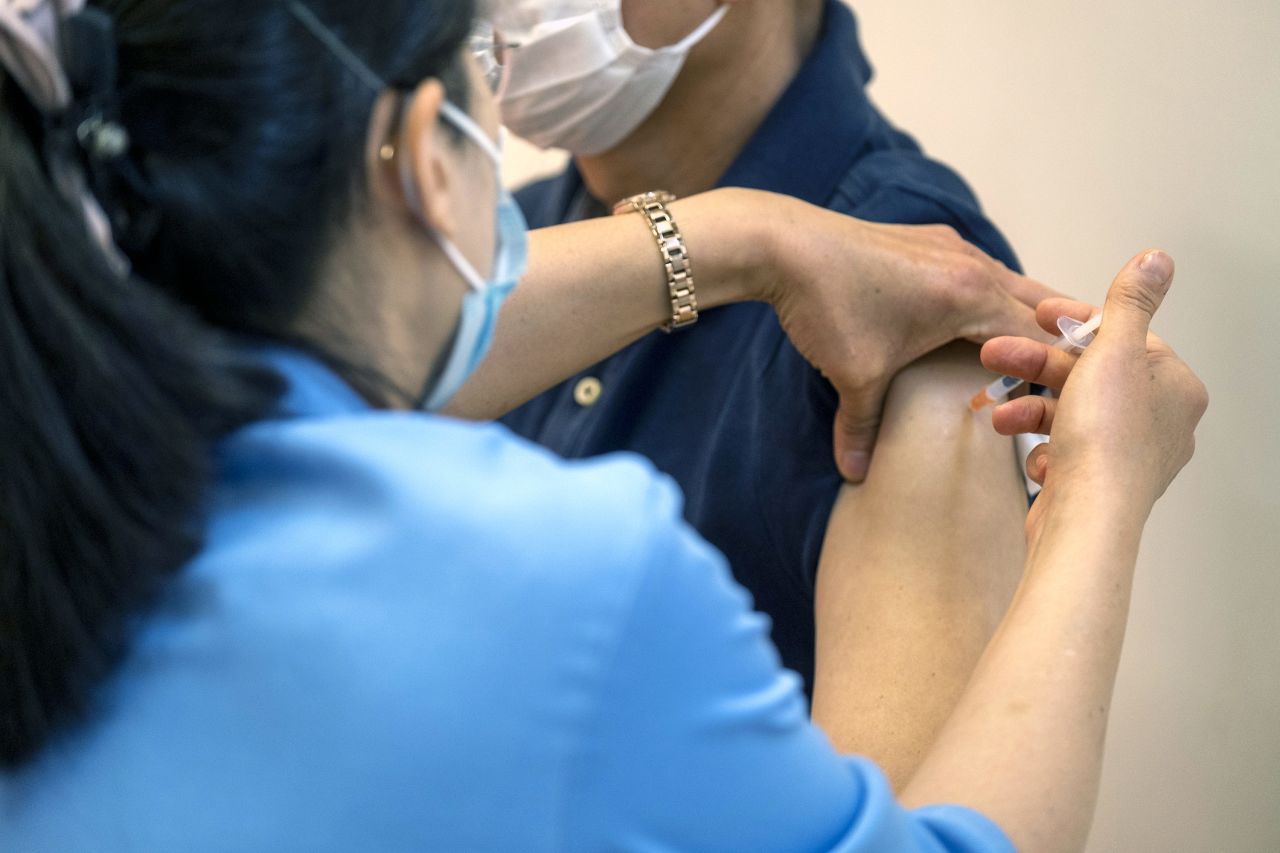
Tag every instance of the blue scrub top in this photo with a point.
(411, 633)
(729, 408)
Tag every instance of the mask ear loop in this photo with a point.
(389, 152)
(704, 29)
(690, 41)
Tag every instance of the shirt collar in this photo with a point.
(811, 137)
(313, 388)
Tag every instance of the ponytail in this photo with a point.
(111, 400)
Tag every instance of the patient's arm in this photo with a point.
(918, 567)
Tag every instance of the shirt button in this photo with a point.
(588, 391)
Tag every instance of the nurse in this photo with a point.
(252, 597)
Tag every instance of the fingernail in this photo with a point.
(1158, 265)
(856, 464)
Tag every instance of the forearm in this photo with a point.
(918, 568)
(1025, 743)
(595, 287)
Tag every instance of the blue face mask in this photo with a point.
(480, 307)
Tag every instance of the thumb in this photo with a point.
(856, 427)
(1136, 295)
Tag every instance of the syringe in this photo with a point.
(1075, 335)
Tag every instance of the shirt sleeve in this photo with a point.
(701, 741)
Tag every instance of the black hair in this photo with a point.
(247, 152)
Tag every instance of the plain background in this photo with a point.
(1092, 130)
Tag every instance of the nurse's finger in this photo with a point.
(1038, 464)
(1048, 312)
(1030, 360)
(1136, 295)
(1030, 414)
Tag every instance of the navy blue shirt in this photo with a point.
(729, 408)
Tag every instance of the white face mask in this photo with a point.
(578, 81)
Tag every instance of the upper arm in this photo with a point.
(919, 565)
(702, 742)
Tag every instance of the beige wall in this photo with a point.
(1092, 130)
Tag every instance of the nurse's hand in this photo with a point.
(1028, 731)
(861, 300)
(1124, 425)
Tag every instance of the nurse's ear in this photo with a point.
(413, 159)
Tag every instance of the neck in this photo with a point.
(687, 145)
(390, 319)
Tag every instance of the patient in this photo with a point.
(773, 96)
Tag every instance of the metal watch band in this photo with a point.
(675, 255)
